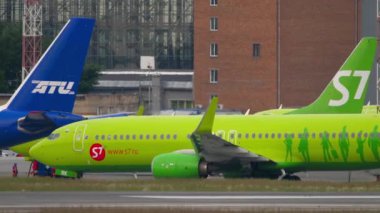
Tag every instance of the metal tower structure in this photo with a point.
(31, 35)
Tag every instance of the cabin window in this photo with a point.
(168, 136)
(273, 135)
(147, 136)
(365, 134)
(109, 137)
(162, 136)
(96, 137)
(353, 135)
(103, 137)
(115, 137)
(260, 135)
(313, 135)
(154, 137)
(188, 136)
(141, 137)
(333, 135)
(121, 137)
(253, 135)
(127, 137)
(134, 137)
(279, 135)
(299, 135)
(266, 135)
(239, 135)
(175, 136)
(246, 135)
(86, 137)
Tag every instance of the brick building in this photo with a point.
(259, 54)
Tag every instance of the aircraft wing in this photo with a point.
(218, 153)
(214, 149)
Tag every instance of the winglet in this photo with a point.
(205, 126)
(141, 110)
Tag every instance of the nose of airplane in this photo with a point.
(38, 153)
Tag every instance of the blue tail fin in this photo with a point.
(53, 82)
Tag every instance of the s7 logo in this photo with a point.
(362, 74)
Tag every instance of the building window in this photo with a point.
(256, 50)
(214, 3)
(214, 24)
(181, 104)
(214, 76)
(214, 50)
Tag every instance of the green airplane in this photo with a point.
(272, 146)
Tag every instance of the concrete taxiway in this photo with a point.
(204, 200)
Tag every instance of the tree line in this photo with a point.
(11, 60)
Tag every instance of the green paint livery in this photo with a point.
(255, 146)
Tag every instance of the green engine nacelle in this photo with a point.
(178, 165)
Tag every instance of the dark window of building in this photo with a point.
(181, 104)
(214, 24)
(256, 50)
(213, 2)
(214, 50)
(214, 76)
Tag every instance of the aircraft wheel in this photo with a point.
(292, 178)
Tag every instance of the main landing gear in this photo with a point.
(290, 177)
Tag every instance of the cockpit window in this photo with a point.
(53, 136)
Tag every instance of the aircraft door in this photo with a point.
(78, 140)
